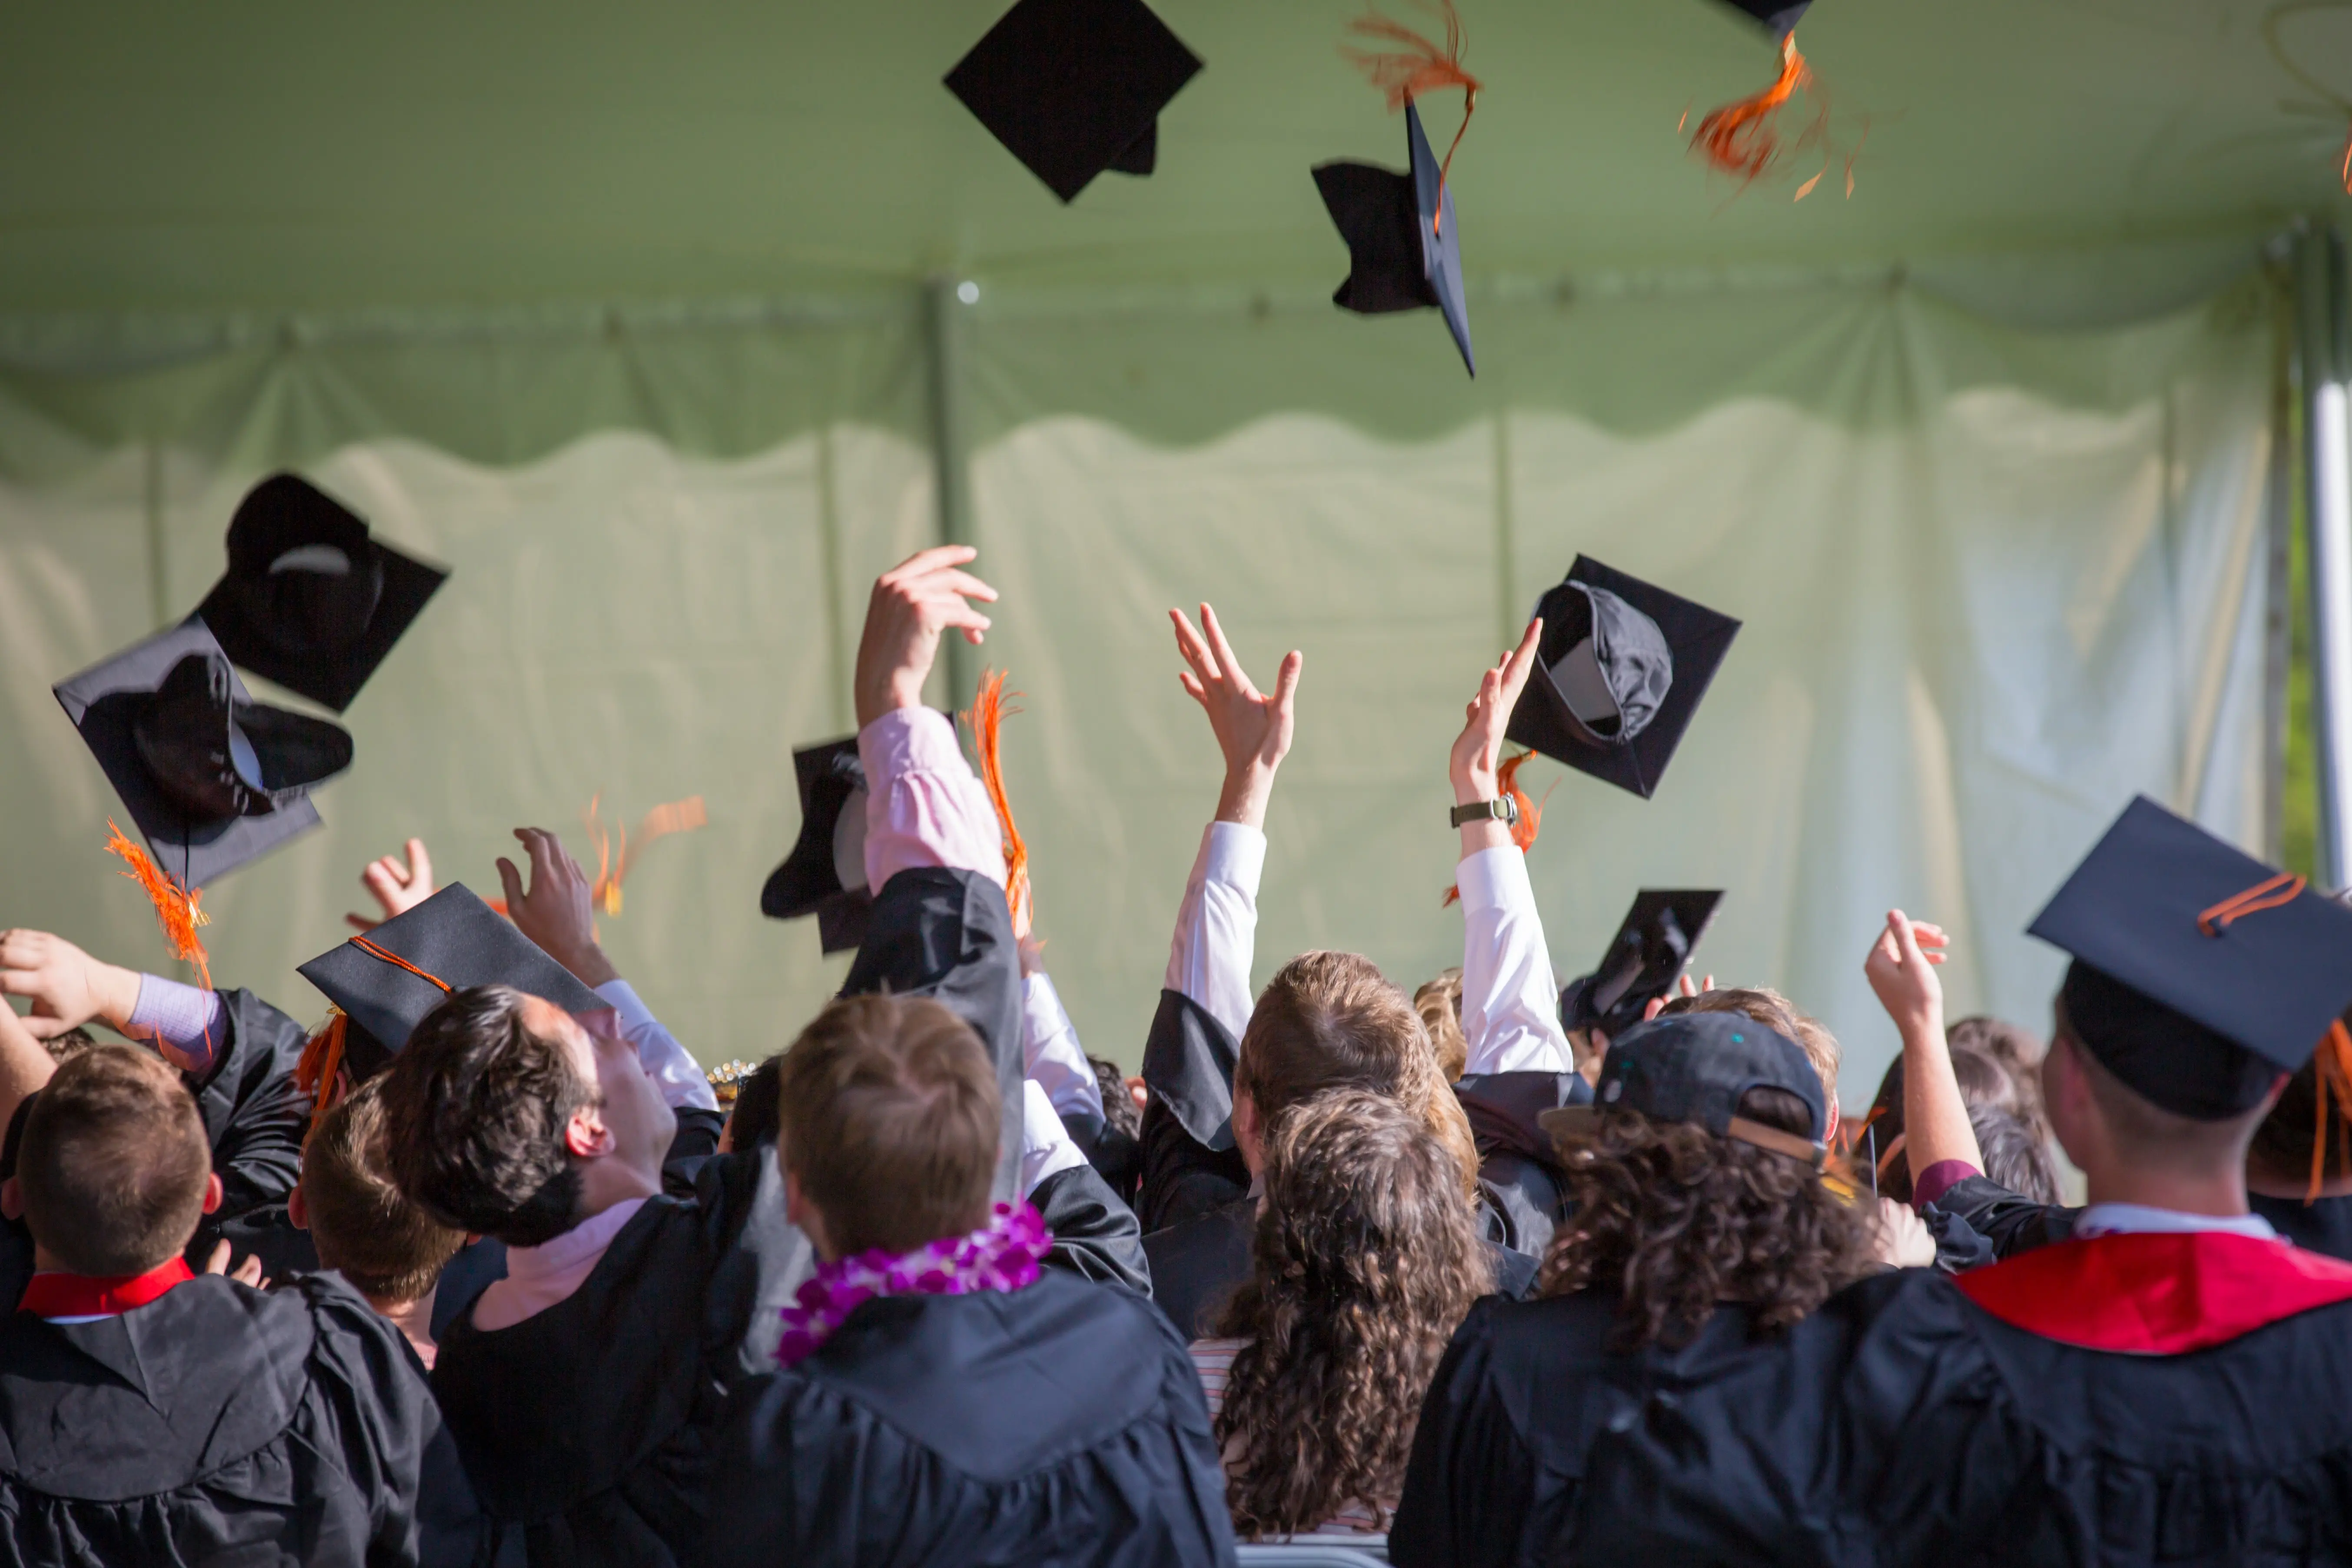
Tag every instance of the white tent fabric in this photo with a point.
(1994, 582)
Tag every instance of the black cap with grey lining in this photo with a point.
(1696, 1067)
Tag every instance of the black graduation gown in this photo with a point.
(218, 1425)
(2323, 1225)
(1060, 1424)
(2014, 1224)
(1197, 1265)
(1517, 1171)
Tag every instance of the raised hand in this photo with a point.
(1657, 1005)
(397, 886)
(1253, 730)
(1901, 970)
(67, 987)
(912, 603)
(556, 910)
(1478, 750)
(246, 1273)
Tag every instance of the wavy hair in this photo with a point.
(1364, 1261)
(1675, 1219)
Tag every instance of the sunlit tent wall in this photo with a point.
(2005, 524)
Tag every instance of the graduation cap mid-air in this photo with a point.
(211, 778)
(825, 875)
(1621, 670)
(1076, 87)
(1643, 960)
(2200, 974)
(1405, 248)
(386, 981)
(309, 600)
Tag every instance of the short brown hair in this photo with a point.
(1776, 1012)
(475, 1106)
(890, 1118)
(113, 1163)
(1332, 1020)
(1439, 1002)
(389, 1248)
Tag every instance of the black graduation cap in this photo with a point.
(826, 873)
(458, 941)
(211, 778)
(1404, 250)
(1643, 961)
(2189, 952)
(1778, 15)
(309, 600)
(1621, 670)
(1076, 87)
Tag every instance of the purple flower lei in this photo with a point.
(1001, 1255)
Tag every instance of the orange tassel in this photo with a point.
(177, 908)
(1739, 137)
(987, 718)
(2332, 1069)
(319, 1073)
(1419, 68)
(1522, 831)
(2346, 170)
(612, 865)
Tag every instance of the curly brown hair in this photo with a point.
(1675, 1219)
(1364, 1262)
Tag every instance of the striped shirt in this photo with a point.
(1213, 1359)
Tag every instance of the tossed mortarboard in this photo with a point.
(211, 778)
(387, 980)
(826, 873)
(1621, 670)
(1405, 248)
(1643, 961)
(1076, 87)
(309, 600)
(1781, 17)
(2200, 974)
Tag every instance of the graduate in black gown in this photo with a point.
(1701, 1231)
(941, 1398)
(149, 1416)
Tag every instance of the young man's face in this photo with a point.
(634, 1111)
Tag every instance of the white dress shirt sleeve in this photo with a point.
(1511, 1003)
(682, 1081)
(924, 806)
(1046, 1145)
(1051, 1056)
(1216, 925)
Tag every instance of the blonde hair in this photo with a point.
(1439, 1002)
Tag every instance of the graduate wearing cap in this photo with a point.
(2173, 1381)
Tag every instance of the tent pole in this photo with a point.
(944, 301)
(2327, 510)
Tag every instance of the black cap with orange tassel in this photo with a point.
(1742, 138)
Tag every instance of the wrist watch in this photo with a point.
(1504, 811)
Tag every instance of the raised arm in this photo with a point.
(1216, 925)
(1901, 969)
(1510, 1003)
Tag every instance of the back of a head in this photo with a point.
(113, 1163)
(889, 1121)
(1122, 1115)
(2019, 1052)
(1332, 1020)
(1677, 1220)
(2014, 1154)
(755, 1119)
(1364, 1261)
(390, 1249)
(1439, 1002)
(475, 1108)
(1775, 1012)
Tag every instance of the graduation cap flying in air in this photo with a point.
(310, 599)
(1618, 676)
(1743, 139)
(1072, 87)
(211, 778)
(825, 875)
(1405, 247)
(1653, 945)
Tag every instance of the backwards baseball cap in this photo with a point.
(2201, 974)
(1697, 1067)
(825, 875)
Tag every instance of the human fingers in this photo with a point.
(1521, 661)
(1907, 943)
(511, 880)
(1227, 661)
(249, 1271)
(217, 1262)
(1286, 682)
(1652, 1007)
(42, 1028)
(1192, 687)
(1689, 987)
(963, 585)
(931, 560)
(420, 864)
(1708, 985)
(1195, 651)
(361, 923)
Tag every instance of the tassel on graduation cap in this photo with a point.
(1418, 68)
(1743, 139)
(1530, 822)
(613, 864)
(319, 1072)
(2332, 1069)
(178, 907)
(986, 717)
